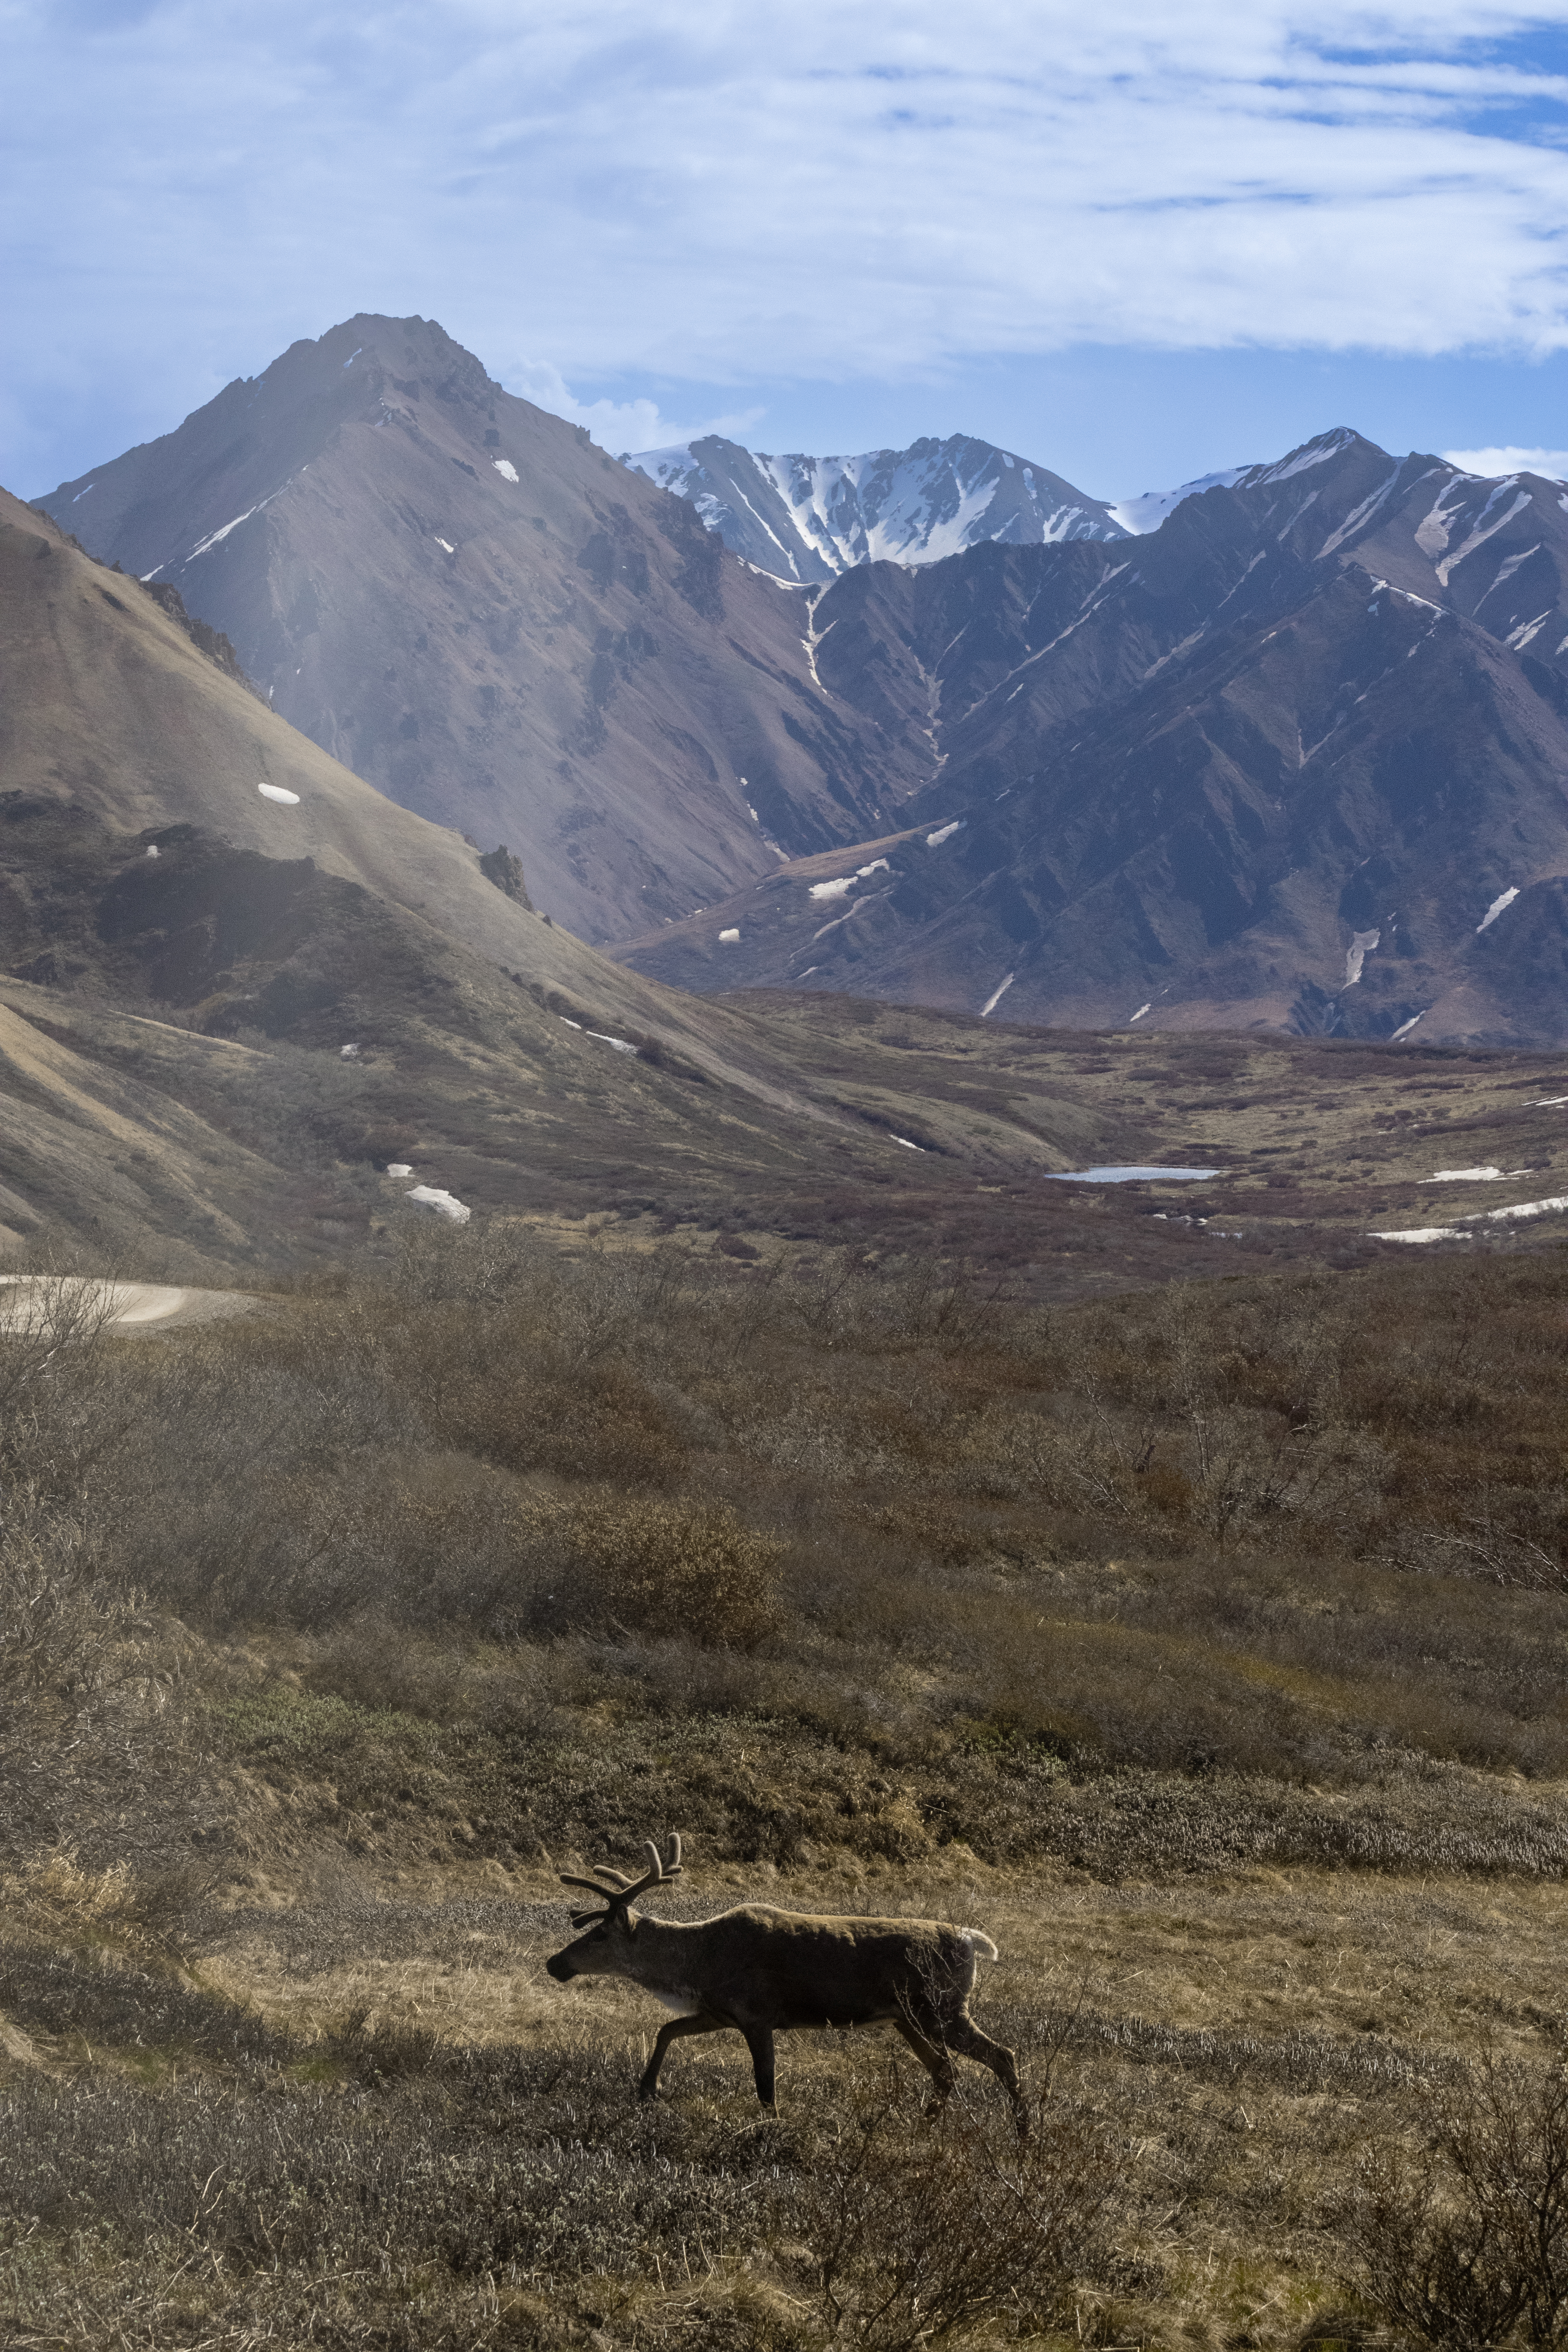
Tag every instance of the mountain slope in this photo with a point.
(237, 984)
(225, 1017)
(464, 601)
(810, 519)
(1273, 763)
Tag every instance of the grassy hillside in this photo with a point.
(1204, 1644)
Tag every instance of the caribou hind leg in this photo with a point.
(964, 2036)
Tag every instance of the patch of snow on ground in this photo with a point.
(944, 833)
(1405, 1026)
(878, 865)
(1361, 947)
(728, 937)
(1550, 1102)
(995, 999)
(833, 889)
(348, 1053)
(1496, 909)
(1425, 1233)
(1483, 531)
(152, 849)
(1141, 1012)
(1465, 1176)
(570, 1025)
(444, 1203)
(443, 543)
(1519, 1213)
(505, 468)
(838, 920)
(220, 535)
(1554, 1207)
(907, 1144)
(399, 1168)
(276, 793)
(621, 1045)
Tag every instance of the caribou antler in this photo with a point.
(624, 1890)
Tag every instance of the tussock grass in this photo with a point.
(1140, 1631)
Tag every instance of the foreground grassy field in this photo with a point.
(1208, 1648)
(362, 2120)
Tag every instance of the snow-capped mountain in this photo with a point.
(809, 519)
(1146, 512)
(1294, 757)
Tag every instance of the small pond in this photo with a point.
(1132, 1175)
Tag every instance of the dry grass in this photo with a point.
(1222, 2068)
(1207, 1651)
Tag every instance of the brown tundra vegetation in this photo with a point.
(1210, 1645)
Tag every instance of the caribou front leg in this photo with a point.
(935, 2060)
(676, 2031)
(760, 2043)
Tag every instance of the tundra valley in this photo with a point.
(855, 1166)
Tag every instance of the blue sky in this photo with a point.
(1135, 241)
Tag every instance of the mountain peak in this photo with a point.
(806, 519)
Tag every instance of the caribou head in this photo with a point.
(603, 1950)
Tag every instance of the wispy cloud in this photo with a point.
(615, 425)
(735, 194)
(1493, 463)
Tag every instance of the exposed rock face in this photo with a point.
(806, 519)
(1272, 764)
(464, 601)
(499, 867)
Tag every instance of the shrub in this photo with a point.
(1463, 2243)
(918, 2234)
(669, 1567)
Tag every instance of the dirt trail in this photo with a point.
(26, 1300)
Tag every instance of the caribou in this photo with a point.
(759, 1971)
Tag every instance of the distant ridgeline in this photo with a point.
(1283, 748)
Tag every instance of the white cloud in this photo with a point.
(615, 425)
(1552, 463)
(735, 195)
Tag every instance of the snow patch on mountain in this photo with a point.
(1145, 513)
(1142, 515)
(809, 519)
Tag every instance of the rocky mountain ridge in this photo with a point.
(463, 600)
(1287, 750)
(806, 519)
(1298, 758)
